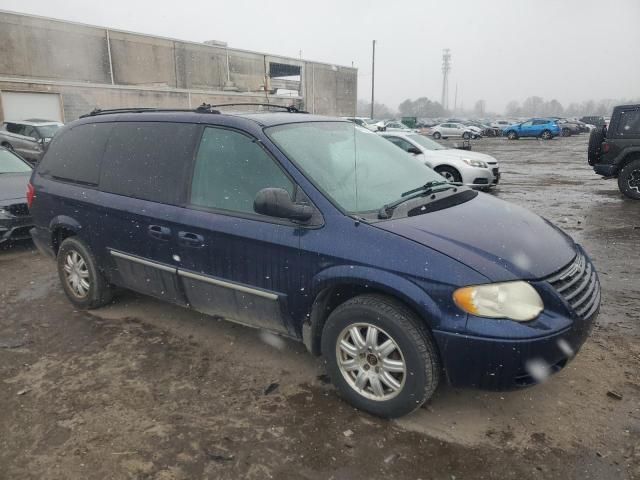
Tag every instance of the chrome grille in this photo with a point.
(578, 284)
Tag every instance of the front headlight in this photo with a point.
(475, 163)
(517, 301)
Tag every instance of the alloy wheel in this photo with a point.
(634, 180)
(371, 361)
(76, 274)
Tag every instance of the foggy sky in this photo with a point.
(502, 50)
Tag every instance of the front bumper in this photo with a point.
(16, 228)
(481, 177)
(499, 364)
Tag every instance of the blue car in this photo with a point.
(544, 128)
(319, 230)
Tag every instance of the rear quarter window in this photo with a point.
(75, 155)
(149, 160)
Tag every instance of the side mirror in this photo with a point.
(275, 202)
(414, 150)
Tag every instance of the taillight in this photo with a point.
(31, 194)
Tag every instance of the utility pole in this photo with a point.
(446, 67)
(455, 99)
(373, 76)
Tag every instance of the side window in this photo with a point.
(629, 123)
(75, 155)
(402, 143)
(149, 160)
(29, 131)
(231, 169)
(15, 128)
(527, 124)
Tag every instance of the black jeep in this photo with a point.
(614, 150)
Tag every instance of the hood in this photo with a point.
(497, 239)
(460, 154)
(13, 187)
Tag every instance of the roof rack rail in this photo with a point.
(288, 108)
(204, 108)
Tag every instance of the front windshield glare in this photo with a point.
(426, 142)
(359, 170)
(9, 163)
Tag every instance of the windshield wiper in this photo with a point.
(430, 187)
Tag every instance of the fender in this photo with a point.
(623, 154)
(367, 277)
(65, 222)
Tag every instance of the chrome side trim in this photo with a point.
(142, 261)
(233, 286)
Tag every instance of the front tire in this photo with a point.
(512, 135)
(629, 179)
(466, 135)
(437, 135)
(379, 356)
(81, 279)
(450, 173)
(8, 146)
(566, 132)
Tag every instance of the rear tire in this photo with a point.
(450, 173)
(82, 281)
(629, 179)
(566, 132)
(511, 135)
(546, 135)
(379, 356)
(437, 135)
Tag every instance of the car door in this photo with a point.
(15, 137)
(143, 182)
(526, 129)
(31, 145)
(234, 263)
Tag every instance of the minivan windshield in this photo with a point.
(9, 163)
(426, 142)
(357, 169)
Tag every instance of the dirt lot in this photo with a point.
(142, 389)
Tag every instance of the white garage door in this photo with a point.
(23, 105)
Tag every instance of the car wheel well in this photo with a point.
(328, 300)
(59, 235)
(628, 158)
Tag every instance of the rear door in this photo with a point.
(143, 181)
(235, 263)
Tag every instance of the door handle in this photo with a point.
(189, 239)
(159, 233)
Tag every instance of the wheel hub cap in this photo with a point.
(634, 180)
(371, 361)
(76, 274)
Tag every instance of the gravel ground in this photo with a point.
(142, 389)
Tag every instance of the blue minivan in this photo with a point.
(319, 230)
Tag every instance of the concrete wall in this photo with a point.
(96, 67)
